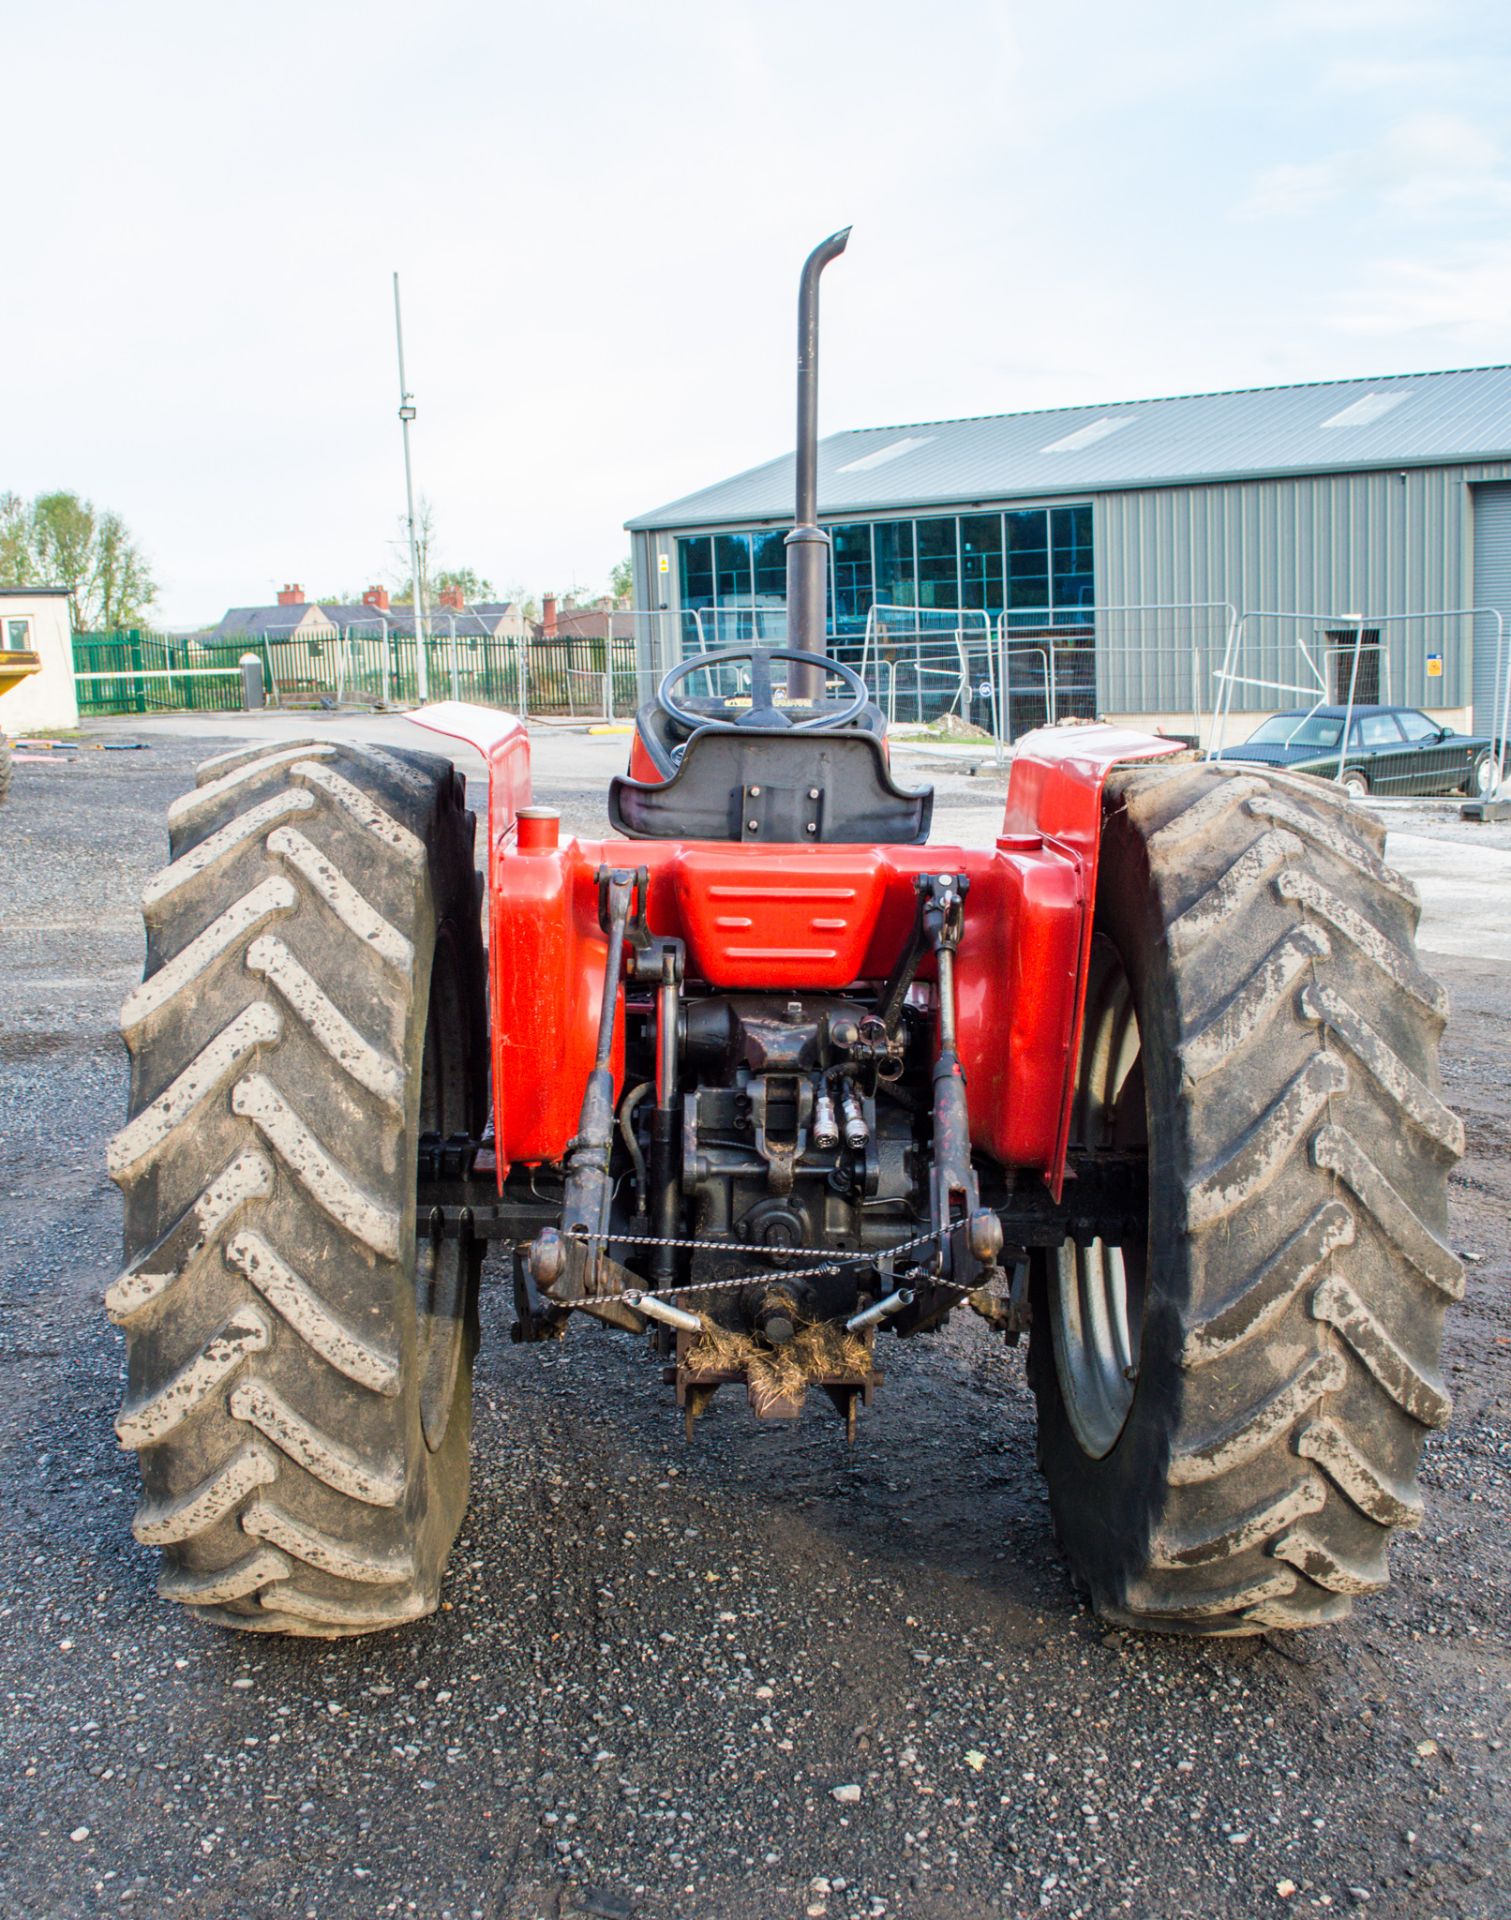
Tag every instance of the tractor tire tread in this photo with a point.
(1314, 1148)
(266, 1301)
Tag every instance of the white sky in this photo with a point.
(599, 212)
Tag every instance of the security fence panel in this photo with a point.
(1332, 673)
(584, 676)
(925, 663)
(1196, 671)
(1149, 667)
(756, 623)
(137, 672)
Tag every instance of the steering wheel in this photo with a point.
(763, 710)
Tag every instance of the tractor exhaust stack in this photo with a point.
(808, 544)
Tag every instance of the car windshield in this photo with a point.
(1298, 730)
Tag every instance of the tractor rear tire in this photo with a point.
(298, 1369)
(5, 755)
(1231, 1415)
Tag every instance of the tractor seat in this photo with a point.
(760, 784)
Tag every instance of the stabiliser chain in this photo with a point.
(568, 1264)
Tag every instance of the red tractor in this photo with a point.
(760, 1076)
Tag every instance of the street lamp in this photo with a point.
(406, 414)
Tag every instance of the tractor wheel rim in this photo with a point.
(440, 1277)
(1097, 1290)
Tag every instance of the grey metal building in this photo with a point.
(1350, 499)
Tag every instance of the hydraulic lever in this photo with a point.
(573, 1264)
(970, 1235)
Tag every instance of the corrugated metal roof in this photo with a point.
(1328, 426)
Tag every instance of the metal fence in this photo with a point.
(566, 676)
(926, 663)
(1281, 659)
(1202, 671)
(133, 672)
(1151, 663)
(1281, 662)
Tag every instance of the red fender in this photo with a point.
(1055, 791)
(502, 741)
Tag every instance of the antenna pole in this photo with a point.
(406, 415)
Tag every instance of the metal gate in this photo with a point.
(1492, 588)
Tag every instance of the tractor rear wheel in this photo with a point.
(298, 1374)
(1231, 1412)
(5, 753)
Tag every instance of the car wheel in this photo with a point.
(1355, 784)
(1481, 778)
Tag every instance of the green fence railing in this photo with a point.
(135, 672)
(562, 677)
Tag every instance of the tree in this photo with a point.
(622, 581)
(61, 540)
(434, 581)
(402, 576)
(124, 586)
(472, 584)
(15, 542)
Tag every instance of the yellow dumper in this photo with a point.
(14, 667)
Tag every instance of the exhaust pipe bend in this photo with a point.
(807, 544)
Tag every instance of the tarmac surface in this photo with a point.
(760, 1676)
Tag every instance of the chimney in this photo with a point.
(548, 616)
(452, 597)
(291, 596)
(376, 597)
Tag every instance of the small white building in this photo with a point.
(34, 621)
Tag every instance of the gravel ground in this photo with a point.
(760, 1676)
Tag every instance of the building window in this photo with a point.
(981, 562)
(939, 563)
(1028, 561)
(769, 557)
(1034, 562)
(732, 581)
(697, 568)
(18, 636)
(894, 579)
(852, 577)
(1072, 584)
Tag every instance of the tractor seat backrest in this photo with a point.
(662, 736)
(760, 785)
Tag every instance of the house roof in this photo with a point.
(31, 593)
(1326, 426)
(260, 623)
(473, 620)
(357, 613)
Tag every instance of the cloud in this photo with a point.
(1311, 18)
(1427, 163)
(1460, 303)
(1295, 187)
